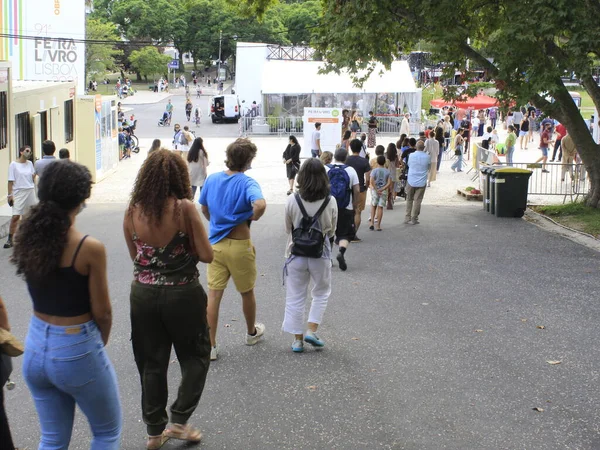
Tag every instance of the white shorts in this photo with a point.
(23, 200)
(182, 148)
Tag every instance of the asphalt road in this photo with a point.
(432, 343)
(149, 114)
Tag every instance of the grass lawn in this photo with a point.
(574, 215)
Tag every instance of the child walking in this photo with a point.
(381, 181)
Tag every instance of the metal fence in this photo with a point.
(279, 126)
(569, 180)
(559, 179)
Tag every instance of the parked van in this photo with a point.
(224, 108)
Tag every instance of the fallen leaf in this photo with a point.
(538, 409)
(541, 327)
(227, 325)
(523, 320)
(311, 388)
(262, 274)
(355, 339)
(478, 331)
(174, 361)
(553, 363)
(234, 320)
(373, 370)
(424, 304)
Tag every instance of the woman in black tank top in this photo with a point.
(65, 362)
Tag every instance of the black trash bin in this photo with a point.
(510, 187)
(492, 190)
(485, 186)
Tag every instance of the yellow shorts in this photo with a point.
(362, 201)
(235, 259)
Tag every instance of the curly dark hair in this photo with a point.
(240, 154)
(313, 182)
(41, 239)
(163, 175)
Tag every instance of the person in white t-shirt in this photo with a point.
(21, 189)
(315, 146)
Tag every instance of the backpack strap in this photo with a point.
(321, 209)
(301, 206)
(305, 215)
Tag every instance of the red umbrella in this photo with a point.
(478, 102)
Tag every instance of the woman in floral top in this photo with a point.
(166, 240)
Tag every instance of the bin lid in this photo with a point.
(511, 170)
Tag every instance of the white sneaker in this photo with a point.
(214, 353)
(260, 330)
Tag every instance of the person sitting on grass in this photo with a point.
(381, 181)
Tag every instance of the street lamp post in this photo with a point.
(219, 62)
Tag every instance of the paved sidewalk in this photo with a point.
(433, 342)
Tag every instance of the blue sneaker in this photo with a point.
(298, 346)
(313, 339)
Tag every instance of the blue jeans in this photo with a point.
(315, 153)
(509, 155)
(64, 366)
(458, 163)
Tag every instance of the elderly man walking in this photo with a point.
(419, 163)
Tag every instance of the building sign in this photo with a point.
(331, 128)
(46, 41)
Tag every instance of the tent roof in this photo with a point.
(478, 102)
(302, 77)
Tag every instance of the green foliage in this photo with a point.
(148, 61)
(100, 58)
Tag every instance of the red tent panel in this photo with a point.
(477, 102)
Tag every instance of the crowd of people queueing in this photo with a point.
(65, 359)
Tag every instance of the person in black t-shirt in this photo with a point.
(363, 170)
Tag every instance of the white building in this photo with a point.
(284, 80)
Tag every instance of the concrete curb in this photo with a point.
(550, 225)
(4, 225)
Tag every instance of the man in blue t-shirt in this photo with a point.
(231, 200)
(418, 168)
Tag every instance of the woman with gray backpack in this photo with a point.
(310, 221)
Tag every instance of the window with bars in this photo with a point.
(23, 131)
(68, 121)
(3, 119)
(43, 125)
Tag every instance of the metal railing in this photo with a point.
(560, 179)
(260, 125)
(557, 179)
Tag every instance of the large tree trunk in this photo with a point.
(181, 65)
(138, 76)
(570, 116)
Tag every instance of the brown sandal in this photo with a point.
(156, 442)
(184, 432)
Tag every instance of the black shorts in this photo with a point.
(345, 225)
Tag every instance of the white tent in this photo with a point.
(303, 77)
(286, 87)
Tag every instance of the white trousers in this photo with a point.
(300, 271)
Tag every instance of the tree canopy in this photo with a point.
(525, 46)
(100, 57)
(148, 61)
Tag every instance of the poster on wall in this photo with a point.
(45, 42)
(331, 128)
